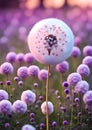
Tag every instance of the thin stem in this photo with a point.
(47, 91)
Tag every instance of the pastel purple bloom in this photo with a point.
(62, 67)
(20, 57)
(82, 87)
(5, 106)
(20, 83)
(28, 58)
(33, 70)
(65, 84)
(50, 41)
(87, 50)
(65, 122)
(28, 127)
(76, 52)
(54, 123)
(3, 94)
(77, 41)
(74, 78)
(6, 68)
(28, 97)
(83, 70)
(50, 107)
(87, 98)
(42, 75)
(11, 57)
(88, 61)
(19, 107)
(22, 72)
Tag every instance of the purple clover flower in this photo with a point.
(6, 68)
(88, 61)
(33, 70)
(76, 52)
(3, 95)
(28, 58)
(87, 50)
(65, 122)
(83, 70)
(22, 72)
(5, 106)
(62, 67)
(50, 41)
(77, 41)
(87, 97)
(42, 75)
(20, 57)
(74, 78)
(11, 57)
(54, 123)
(19, 107)
(82, 87)
(28, 127)
(65, 84)
(28, 97)
(50, 107)
(42, 125)
(20, 83)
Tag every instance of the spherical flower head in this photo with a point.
(28, 97)
(19, 107)
(74, 78)
(28, 127)
(28, 58)
(87, 98)
(65, 122)
(5, 106)
(87, 50)
(88, 61)
(76, 52)
(54, 123)
(77, 41)
(50, 107)
(6, 68)
(3, 95)
(20, 57)
(42, 75)
(62, 67)
(50, 41)
(22, 72)
(33, 70)
(83, 70)
(82, 87)
(11, 57)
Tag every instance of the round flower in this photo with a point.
(20, 57)
(82, 87)
(28, 97)
(77, 41)
(5, 106)
(87, 98)
(88, 61)
(76, 52)
(11, 57)
(6, 68)
(3, 95)
(62, 67)
(22, 72)
(73, 78)
(28, 127)
(19, 107)
(28, 58)
(87, 50)
(50, 107)
(33, 70)
(50, 41)
(83, 70)
(42, 75)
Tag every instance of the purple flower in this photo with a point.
(42, 75)
(65, 122)
(6, 68)
(11, 57)
(19, 107)
(88, 61)
(20, 57)
(3, 95)
(22, 72)
(87, 98)
(77, 41)
(20, 83)
(50, 41)
(83, 70)
(62, 67)
(5, 106)
(28, 127)
(65, 84)
(50, 107)
(28, 97)
(87, 50)
(42, 125)
(33, 70)
(82, 87)
(54, 123)
(73, 78)
(76, 52)
(28, 58)
(7, 125)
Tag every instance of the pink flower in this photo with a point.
(50, 41)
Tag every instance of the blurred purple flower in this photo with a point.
(11, 57)
(76, 52)
(3, 94)
(22, 72)
(65, 122)
(28, 127)
(88, 61)
(54, 123)
(19, 107)
(87, 97)
(20, 57)
(33, 70)
(42, 75)
(77, 41)
(87, 50)
(28, 58)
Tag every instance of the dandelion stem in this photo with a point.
(47, 90)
